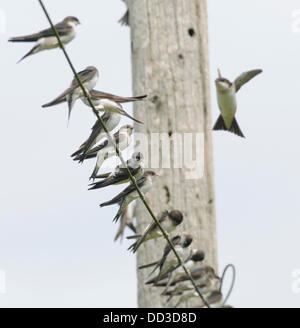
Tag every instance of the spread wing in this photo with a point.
(245, 77)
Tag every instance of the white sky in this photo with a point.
(56, 245)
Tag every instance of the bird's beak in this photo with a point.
(157, 175)
(219, 73)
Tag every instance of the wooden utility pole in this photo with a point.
(170, 62)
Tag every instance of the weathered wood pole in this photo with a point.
(169, 41)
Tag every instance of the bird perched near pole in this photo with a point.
(168, 220)
(179, 274)
(120, 174)
(106, 104)
(111, 120)
(122, 136)
(169, 262)
(107, 149)
(88, 77)
(215, 300)
(226, 95)
(130, 193)
(96, 97)
(211, 285)
(205, 279)
(46, 39)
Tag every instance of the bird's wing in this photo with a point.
(126, 192)
(96, 130)
(149, 229)
(84, 76)
(61, 28)
(245, 77)
(97, 148)
(104, 95)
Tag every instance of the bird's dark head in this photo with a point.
(176, 216)
(198, 256)
(186, 239)
(222, 83)
(71, 20)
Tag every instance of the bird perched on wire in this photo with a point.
(211, 285)
(111, 120)
(130, 193)
(199, 274)
(107, 149)
(109, 105)
(126, 220)
(168, 220)
(88, 77)
(96, 98)
(226, 95)
(214, 299)
(169, 261)
(122, 138)
(46, 39)
(120, 173)
(179, 274)
(205, 279)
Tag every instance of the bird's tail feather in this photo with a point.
(236, 129)
(131, 226)
(31, 52)
(124, 20)
(27, 38)
(220, 125)
(77, 152)
(134, 119)
(148, 265)
(134, 237)
(54, 102)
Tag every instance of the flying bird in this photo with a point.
(88, 77)
(111, 120)
(168, 220)
(130, 193)
(169, 262)
(46, 39)
(226, 95)
(120, 174)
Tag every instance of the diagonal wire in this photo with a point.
(131, 177)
